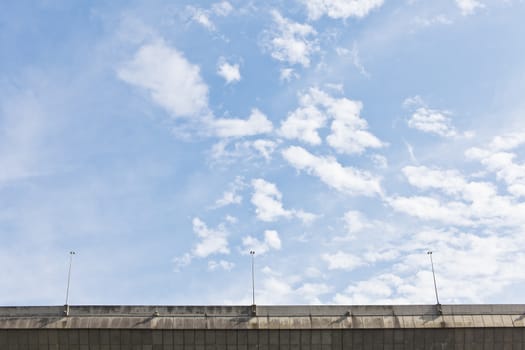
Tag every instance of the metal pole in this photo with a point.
(434, 275)
(252, 253)
(71, 253)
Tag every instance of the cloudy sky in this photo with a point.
(339, 139)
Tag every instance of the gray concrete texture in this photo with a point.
(272, 328)
(266, 317)
(267, 339)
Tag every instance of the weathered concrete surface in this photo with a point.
(462, 327)
(284, 339)
(267, 317)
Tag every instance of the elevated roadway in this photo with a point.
(263, 327)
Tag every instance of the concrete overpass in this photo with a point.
(263, 327)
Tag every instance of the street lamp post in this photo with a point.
(71, 253)
(435, 284)
(252, 253)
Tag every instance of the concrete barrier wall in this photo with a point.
(264, 317)
(267, 339)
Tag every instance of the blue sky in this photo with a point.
(340, 140)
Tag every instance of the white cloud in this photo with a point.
(507, 142)
(268, 206)
(450, 181)
(349, 136)
(356, 60)
(226, 151)
(373, 256)
(212, 241)
(354, 57)
(311, 292)
(182, 261)
(342, 261)
(432, 120)
(410, 150)
(379, 161)
(414, 101)
(498, 159)
(349, 131)
(430, 21)
(279, 289)
(203, 16)
(257, 123)
(171, 80)
(223, 8)
(340, 8)
(275, 289)
(221, 264)
(200, 16)
(230, 72)
(473, 203)
(290, 41)
(428, 208)
(355, 222)
(271, 238)
(339, 88)
(302, 124)
(469, 268)
(271, 241)
(468, 7)
(287, 74)
(265, 148)
(228, 197)
(231, 219)
(305, 217)
(267, 200)
(332, 173)
(342, 51)
(231, 196)
(374, 291)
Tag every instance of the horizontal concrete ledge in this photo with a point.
(262, 310)
(266, 317)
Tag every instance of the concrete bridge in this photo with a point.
(263, 327)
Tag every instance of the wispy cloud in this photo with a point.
(257, 123)
(221, 264)
(204, 16)
(229, 150)
(345, 179)
(267, 200)
(432, 121)
(468, 7)
(342, 261)
(355, 58)
(223, 8)
(22, 129)
(340, 8)
(271, 240)
(231, 196)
